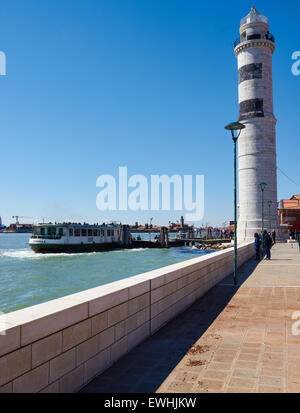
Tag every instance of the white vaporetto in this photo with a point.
(257, 142)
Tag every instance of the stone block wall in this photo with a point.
(61, 345)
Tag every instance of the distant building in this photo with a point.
(2, 227)
(22, 228)
(173, 227)
(289, 212)
(231, 226)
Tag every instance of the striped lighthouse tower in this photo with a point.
(257, 142)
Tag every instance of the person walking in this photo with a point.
(257, 246)
(267, 244)
(274, 236)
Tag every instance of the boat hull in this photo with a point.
(73, 248)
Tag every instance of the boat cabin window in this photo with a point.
(83, 232)
(102, 232)
(108, 232)
(51, 231)
(61, 231)
(94, 232)
(42, 231)
(71, 232)
(77, 232)
(90, 232)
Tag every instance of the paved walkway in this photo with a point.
(234, 339)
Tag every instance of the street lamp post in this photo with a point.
(262, 187)
(235, 126)
(269, 205)
(151, 219)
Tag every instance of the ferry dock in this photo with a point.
(77, 237)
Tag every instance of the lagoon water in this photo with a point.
(27, 278)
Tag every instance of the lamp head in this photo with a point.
(235, 126)
(262, 185)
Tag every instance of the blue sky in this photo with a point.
(92, 85)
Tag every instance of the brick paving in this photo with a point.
(234, 339)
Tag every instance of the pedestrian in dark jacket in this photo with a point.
(267, 244)
(257, 246)
(274, 236)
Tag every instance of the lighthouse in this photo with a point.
(257, 142)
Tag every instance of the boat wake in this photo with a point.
(125, 250)
(135, 249)
(25, 254)
(28, 254)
